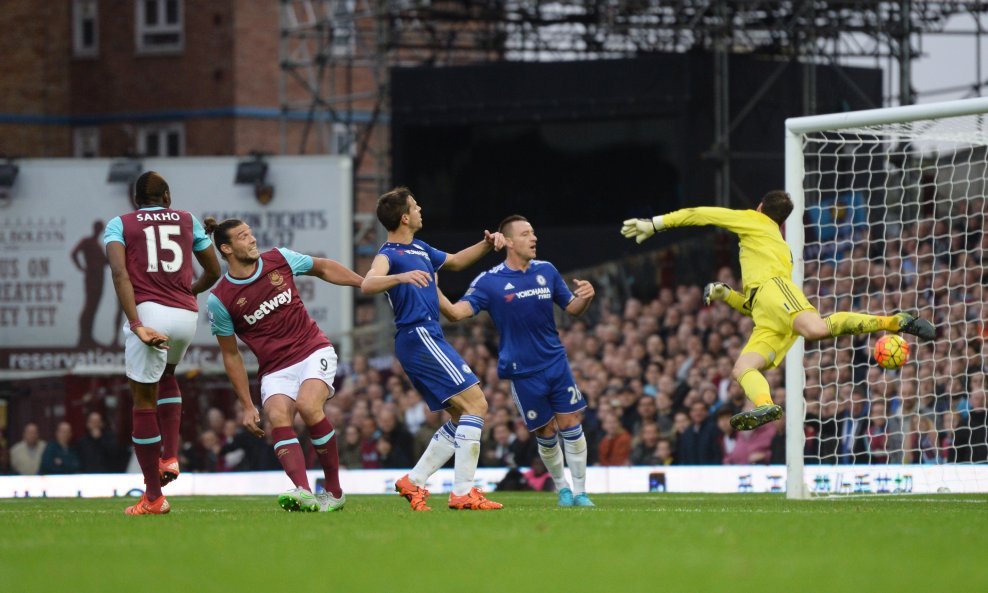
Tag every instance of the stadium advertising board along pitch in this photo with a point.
(823, 480)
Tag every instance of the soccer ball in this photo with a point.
(891, 351)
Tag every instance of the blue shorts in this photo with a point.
(434, 367)
(543, 394)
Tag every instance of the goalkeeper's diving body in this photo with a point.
(777, 306)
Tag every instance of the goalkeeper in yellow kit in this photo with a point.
(778, 307)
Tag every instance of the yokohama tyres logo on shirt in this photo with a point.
(541, 293)
(268, 306)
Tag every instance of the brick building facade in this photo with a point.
(155, 77)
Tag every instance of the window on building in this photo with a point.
(85, 142)
(166, 140)
(159, 26)
(344, 28)
(344, 139)
(85, 31)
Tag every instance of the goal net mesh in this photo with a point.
(894, 219)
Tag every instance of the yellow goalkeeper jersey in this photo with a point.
(763, 252)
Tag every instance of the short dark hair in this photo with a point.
(777, 205)
(392, 206)
(149, 188)
(220, 231)
(507, 221)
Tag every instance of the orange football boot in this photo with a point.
(472, 501)
(415, 495)
(146, 507)
(168, 470)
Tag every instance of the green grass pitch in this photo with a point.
(628, 543)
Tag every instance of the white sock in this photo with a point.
(575, 446)
(436, 455)
(552, 456)
(467, 453)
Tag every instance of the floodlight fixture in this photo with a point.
(253, 171)
(125, 171)
(8, 173)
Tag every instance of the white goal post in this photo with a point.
(889, 214)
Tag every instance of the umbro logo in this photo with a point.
(509, 286)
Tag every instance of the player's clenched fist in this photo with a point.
(715, 291)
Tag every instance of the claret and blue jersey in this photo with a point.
(160, 243)
(266, 312)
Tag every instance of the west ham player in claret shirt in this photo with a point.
(257, 300)
(519, 295)
(406, 268)
(150, 253)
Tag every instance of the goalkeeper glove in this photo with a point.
(642, 228)
(715, 291)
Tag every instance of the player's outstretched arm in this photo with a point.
(461, 310)
(233, 362)
(584, 294)
(116, 253)
(640, 229)
(736, 221)
(378, 280)
(210, 270)
(465, 258)
(332, 271)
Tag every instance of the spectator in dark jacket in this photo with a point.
(402, 445)
(971, 437)
(644, 450)
(698, 444)
(99, 451)
(59, 456)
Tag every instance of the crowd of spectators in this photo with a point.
(656, 377)
(933, 409)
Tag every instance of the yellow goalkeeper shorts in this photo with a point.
(774, 305)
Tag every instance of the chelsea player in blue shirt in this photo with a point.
(519, 295)
(406, 268)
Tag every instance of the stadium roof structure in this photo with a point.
(340, 51)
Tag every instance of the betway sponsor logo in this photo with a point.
(268, 306)
(542, 293)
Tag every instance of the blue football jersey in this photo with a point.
(413, 305)
(520, 303)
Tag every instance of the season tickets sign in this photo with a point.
(58, 307)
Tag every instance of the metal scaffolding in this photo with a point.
(336, 55)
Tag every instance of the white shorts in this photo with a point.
(321, 365)
(146, 364)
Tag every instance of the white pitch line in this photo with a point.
(34, 511)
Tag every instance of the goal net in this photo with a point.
(890, 214)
